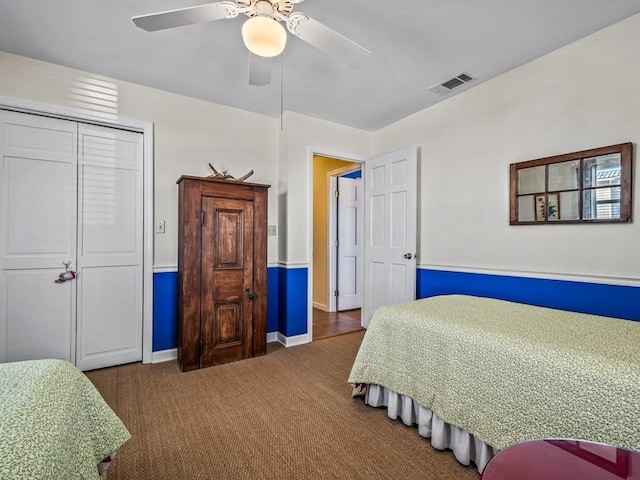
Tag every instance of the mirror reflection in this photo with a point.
(569, 206)
(531, 180)
(564, 175)
(589, 186)
(602, 171)
(602, 203)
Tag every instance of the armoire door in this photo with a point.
(227, 280)
(70, 193)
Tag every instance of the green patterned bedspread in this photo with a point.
(53, 423)
(508, 372)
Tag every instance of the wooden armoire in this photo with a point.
(222, 271)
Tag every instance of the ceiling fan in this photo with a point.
(262, 33)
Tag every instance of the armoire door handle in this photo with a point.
(250, 294)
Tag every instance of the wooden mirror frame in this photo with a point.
(626, 155)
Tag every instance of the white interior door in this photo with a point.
(38, 234)
(110, 238)
(390, 230)
(350, 226)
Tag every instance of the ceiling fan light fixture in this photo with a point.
(264, 36)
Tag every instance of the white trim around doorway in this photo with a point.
(322, 152)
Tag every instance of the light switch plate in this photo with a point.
(160, 226)
(272, 230)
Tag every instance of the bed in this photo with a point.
(54, 424)
(478, 375)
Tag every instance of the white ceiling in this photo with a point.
(414, 43)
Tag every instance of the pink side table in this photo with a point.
(563, 460)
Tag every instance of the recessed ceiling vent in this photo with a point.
(453, 83)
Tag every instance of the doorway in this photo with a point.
(329, 318)
(390, 197)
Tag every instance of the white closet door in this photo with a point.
(110, 239)
(38, 234)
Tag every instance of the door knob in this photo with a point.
(250, 294)
(408, 256)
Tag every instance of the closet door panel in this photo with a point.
(109, 213)
(110, 147)
(39, 212)
(109, 247)
(38, 161)
(40, 138)
(110, 330)
(39, 328)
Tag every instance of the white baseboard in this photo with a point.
(320, 306)
(164, 355)
(293, 341)
(272, 337)
(172, 354)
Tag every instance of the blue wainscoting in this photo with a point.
(165, 311)
(594, 298)
(287, 297)
(286, 305)
(292, 301)
(273, 301)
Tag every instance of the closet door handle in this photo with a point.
(68, 274)
(250, 294)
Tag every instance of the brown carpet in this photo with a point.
(286, 415)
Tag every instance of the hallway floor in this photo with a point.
(330, 324)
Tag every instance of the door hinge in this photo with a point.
(337, 243)
(201, 218)
(336, 293)
(337, 193)
(201, 351)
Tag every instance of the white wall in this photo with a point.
(188, 133)
(300, 138)
(582, 96)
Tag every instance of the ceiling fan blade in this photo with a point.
(327, 40)
(187, 16)
(259, 70)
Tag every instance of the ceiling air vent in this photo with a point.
(453, 83)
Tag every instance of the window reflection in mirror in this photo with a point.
(588, 186)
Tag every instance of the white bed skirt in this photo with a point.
(466, 448)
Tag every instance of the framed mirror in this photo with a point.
(591, 186)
